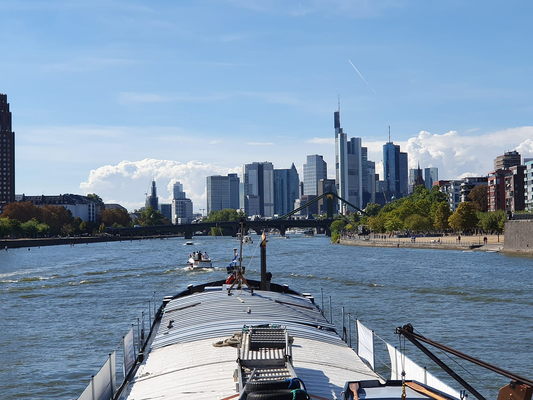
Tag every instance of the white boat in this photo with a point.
(199, 260)
(247, 240)
(246, 340)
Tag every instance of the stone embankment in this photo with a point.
(519, 236)
(466, 243)
(20, 243)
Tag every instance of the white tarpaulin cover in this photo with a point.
(129, 352)
(415, 372)
(365, 343)
(103, 385)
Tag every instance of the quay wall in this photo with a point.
(19, 243)
(518, 236)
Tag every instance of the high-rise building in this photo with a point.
(222, 192)
(258, 185)
(286, 184)
(314, 169)
(431, 175)
(395, 169)
(353, 179)
(152, 200)
(182, 207)
(452, 189)
(7, 154)
(508, 160)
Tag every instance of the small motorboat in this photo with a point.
(188, 243)
(199, 260)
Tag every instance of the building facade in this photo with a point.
(395, 170)
(182, 207)
(258, 185)
(7, 154)
(324, 186)
(80, 206)
(507, 160)
(286, 186)
(222, 192)
(470, 183)
(528, 185)
(431, 175)
(452, 189)
(315, 169)
(354, 173)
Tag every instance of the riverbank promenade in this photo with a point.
(465, 243)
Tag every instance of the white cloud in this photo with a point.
(127, 182)
(330, 141)
(260, 144)
(457, 155)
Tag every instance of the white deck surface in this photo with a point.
(184, 364)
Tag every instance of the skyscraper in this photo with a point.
(395, 170)
(152, 199)
(286, 185)
(7, 155)
(222, 192)
(258, 185)
(182, 207)
(351, 167)
(315, 169)
(431, 174)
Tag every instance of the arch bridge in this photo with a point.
(282, 223)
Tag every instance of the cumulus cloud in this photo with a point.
(127, 182)
(458, 155)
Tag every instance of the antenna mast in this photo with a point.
(389, 133)
(339, 100)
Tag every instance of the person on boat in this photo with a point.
(206, 257)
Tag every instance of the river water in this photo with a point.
(63, 309)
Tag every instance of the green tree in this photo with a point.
(150, 217)
(337, 225)
(377, 223)
(464, 218)
(394, 222)
(436, 196)
(442, 215)
(372, 209)
(493, 221)
(30, 228)
(416, 222)
(55, 217)
(118, 216)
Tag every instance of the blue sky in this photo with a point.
(107, 95)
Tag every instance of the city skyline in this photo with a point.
(111, 96)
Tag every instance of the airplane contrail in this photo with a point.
(356, 70)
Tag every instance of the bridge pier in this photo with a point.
(189, 234)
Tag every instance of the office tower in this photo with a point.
(222, 192)
(7, 155)
(415, 179)
(286, 184)
(395, 169)
(351, 167)
(152, 199)
(258, 180)
(431, 175)
(314, 170)
(182, 207)
(508, 160)
(177, 191)
(166, 210)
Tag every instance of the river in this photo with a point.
(65, 308)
